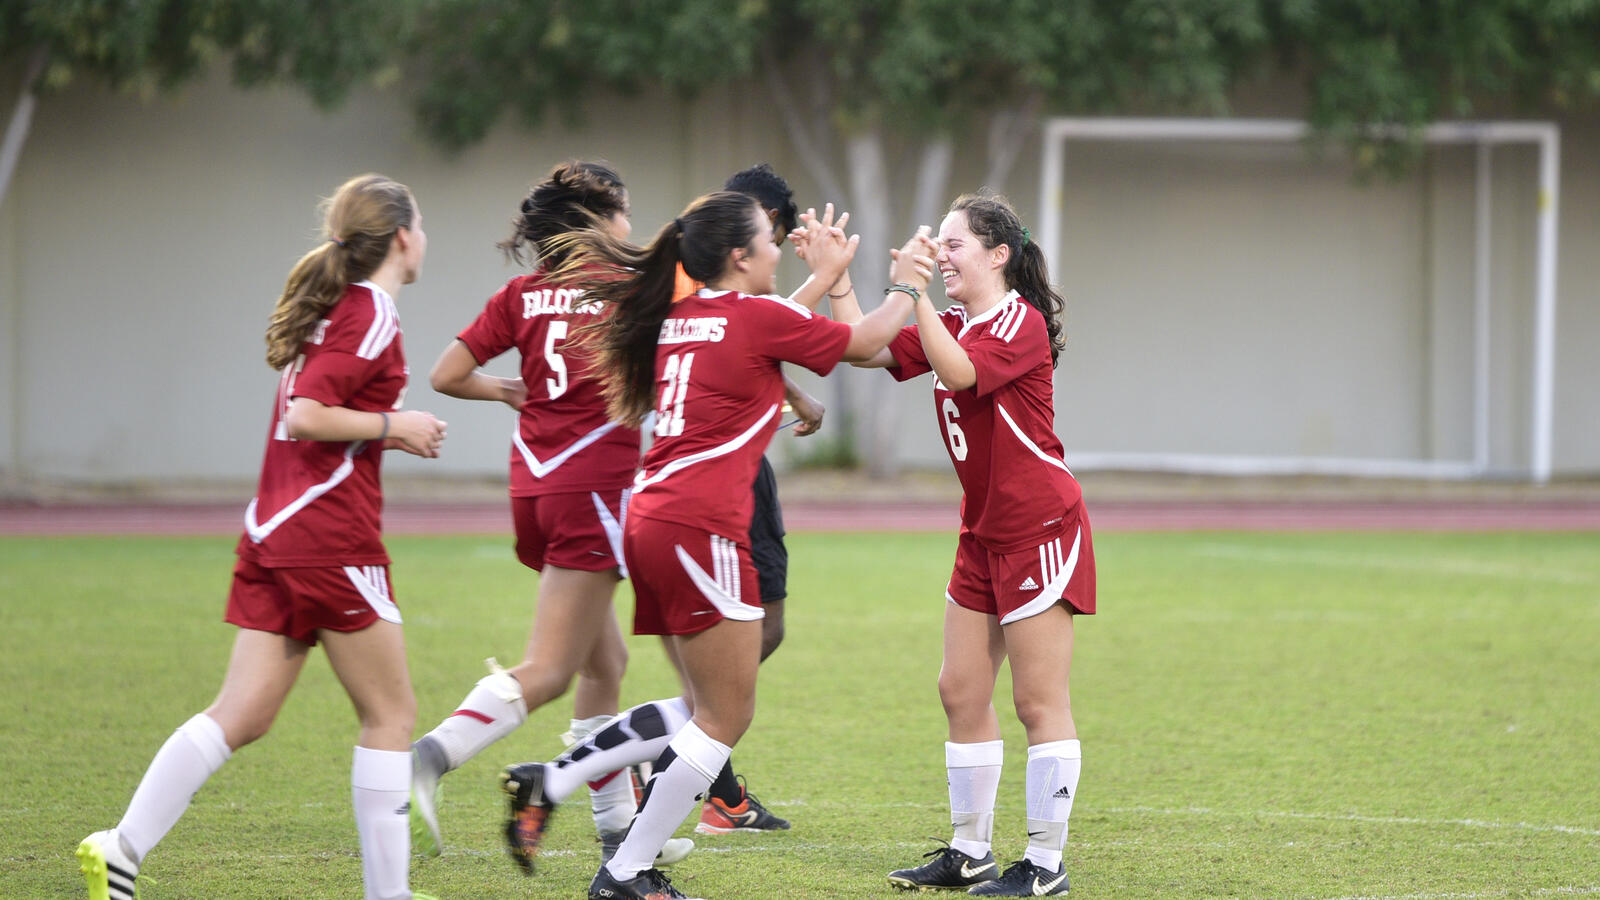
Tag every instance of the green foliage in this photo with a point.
(1373, 71)
(1263, 715)
(153, 45)
(1373, 67)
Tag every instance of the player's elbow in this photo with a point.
(300, 420)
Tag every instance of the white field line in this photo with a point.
(1537, 892)
(1460, 567)
(1336, 817)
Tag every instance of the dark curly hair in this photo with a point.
(576, 194)
(772, 192)
(992, 219)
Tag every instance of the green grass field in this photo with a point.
(1263, 715)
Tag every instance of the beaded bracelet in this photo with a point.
(903, 288)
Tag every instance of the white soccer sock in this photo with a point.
(637, 735)
(190, 756)
(681, 778)
(380, 786)
(973, 773)
(610, 795)
(1053, 771)
(493, 709)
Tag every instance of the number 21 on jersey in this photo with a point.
(674, 387)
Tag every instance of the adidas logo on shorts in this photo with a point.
(1028, 585)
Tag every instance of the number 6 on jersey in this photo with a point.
(675, 385)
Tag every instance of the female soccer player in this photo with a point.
(570, 471)
(708, 367)
(1024, 561)
(312, 566)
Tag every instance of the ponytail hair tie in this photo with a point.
(1027, 237)
(336, 241)
(679, 223)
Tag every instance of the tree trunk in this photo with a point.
(21, 120)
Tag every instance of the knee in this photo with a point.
(1042, 713)
(394, 714)
(241, 727)
(606, 665)
(959, 698)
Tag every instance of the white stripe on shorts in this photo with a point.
(373, 584)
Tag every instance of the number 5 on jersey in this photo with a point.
(674, 387)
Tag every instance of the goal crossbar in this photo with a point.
(1545, 135)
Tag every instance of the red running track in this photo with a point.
(494, 518)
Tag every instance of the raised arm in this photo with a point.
(870, 335)
(950, 363)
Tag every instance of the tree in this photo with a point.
(152, 46)
(866, 90)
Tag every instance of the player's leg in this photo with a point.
(371, 664)
(729, 805)
(261, 670)
(720, 663)
(594, 703)
(1038, 630)
(974, 647)
(560, 536)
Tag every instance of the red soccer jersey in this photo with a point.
(320, 503)
(564, 442)
(719, 387)
(1000, 432)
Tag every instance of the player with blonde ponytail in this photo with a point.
(312, 566)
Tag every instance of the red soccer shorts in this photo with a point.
(686, 579)
(1027, 582)
(299, 602)
(581, 531)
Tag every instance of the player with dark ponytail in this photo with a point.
(707, 368)
(1024, 560)
(570, 469)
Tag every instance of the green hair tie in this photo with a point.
(1027, 237)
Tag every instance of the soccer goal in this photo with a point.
(1061, 199)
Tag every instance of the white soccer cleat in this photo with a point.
(107, 870)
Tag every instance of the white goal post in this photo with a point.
(1546, 135)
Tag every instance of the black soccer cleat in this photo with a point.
(647, 885)
(948, 870)
(1024, 879)
(530, 812)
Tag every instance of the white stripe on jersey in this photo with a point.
(1006, 327)
(259, 532)
(1058, 463)
(612, 527)
(640, 482)
(727, 604)
(782, 301)
(1057, 586)
(373, 586)
(992, 312)
(385, 323)
(541, 469)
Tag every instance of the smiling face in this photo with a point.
(972, 273)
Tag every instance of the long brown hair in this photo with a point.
(636, 284)
(992, 219)
(576, 194)
(359, 223)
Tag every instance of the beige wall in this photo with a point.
(1222, 299)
